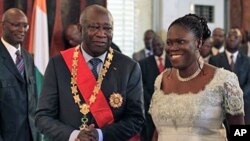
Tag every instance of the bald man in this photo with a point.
(87, 92)
(18, 99)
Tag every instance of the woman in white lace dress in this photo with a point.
(192, 99)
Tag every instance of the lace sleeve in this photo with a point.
(233, 96)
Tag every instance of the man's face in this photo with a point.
(233, 41)
(148, 40)
(158, 46)
(15, 27)
(218, 37)
(97, 33)
(206, 47)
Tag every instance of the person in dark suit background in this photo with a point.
(218, 36)
(72, 36)
(206, 49)
(151, 67)
(87, 93)
(240, 65)
(147, 51)
(245, 48)
(18, 98)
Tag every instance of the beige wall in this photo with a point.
(143, 21)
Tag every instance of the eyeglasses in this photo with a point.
(96, 27)
(18, 25)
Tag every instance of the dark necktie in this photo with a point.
(161, 66)
(94, 62)
(19, 62)
(232, 62)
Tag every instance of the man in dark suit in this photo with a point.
(18, 97)
(241, 67)
(92, 92)
(72, 36)
(147, 51)
(245, 48)
(151, 67)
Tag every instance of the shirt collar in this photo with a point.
(11, 49)
(235, 54)
(148, 52)
(88, 57)
(163, 56)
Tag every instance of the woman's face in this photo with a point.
(182, 47)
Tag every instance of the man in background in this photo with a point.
(245, 48)
(205, 50)
(218, 36)
(72, 36)
(18, 98)
(147, 51)
(151, 67)
(233, 60)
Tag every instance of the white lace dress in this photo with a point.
(199, 116)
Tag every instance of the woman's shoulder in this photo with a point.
(225, 76)
(225, 73)
(159, 78)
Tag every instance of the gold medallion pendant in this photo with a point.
(115, 100)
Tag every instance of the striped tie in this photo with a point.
(19, 62)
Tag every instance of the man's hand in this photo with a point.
(89, 134)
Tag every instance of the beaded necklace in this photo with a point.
(196, 73)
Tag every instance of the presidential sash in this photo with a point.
(86, 83)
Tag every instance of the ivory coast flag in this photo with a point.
(38, 41)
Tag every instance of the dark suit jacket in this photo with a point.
(137, 56)
(242, 70)
(244, 49)
(58, 115)
(150, 71)
(14, 89)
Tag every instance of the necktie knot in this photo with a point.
(94, 62)
(18, 54)
(19, 62)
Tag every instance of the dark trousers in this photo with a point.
(148, 129)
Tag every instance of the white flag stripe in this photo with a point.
(40, 44)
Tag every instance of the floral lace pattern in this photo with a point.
(201, 113)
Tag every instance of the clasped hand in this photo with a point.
(89, 134)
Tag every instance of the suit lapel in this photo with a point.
(8, 62)
(26, 65)
(225, 61)
(239, 65)
(153, 64)
(167, 62)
